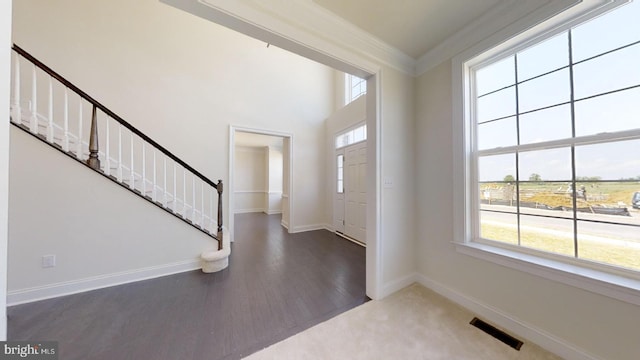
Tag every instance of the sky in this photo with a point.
(608, 113)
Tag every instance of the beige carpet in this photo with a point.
(414, 323)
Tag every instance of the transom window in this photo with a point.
(555, 144)
(354, 88)
(352, 136)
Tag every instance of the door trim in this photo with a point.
(230, 186)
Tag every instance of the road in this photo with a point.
(563, 226)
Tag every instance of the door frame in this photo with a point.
(231, 185)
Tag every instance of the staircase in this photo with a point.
(55, 111)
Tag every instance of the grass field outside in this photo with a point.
(590, 248)
(554, 194)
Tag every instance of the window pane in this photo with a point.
(553, 235)
(340, 173)
(496, 167)
(497, 105)
(597, 36)
(544, 91)
(498, 196)
(608, 113)
(499, 227)
(500, 133)
(358, 134)
(617, 245)
(496, 76)
(608, 201)
(613, 71)
(546, 198)
(546, 125)
(610, 161)
(539, 165)
(544, 57)
(340, 187)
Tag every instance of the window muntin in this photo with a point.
(352, 136)
(340, 174)
(354, 88)
(563, 180)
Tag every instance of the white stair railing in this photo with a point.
(131, 164)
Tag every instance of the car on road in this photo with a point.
(635, 200)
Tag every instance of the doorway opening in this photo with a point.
(259, 174)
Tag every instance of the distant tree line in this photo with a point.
(537, 177)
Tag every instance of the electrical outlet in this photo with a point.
(48, 261)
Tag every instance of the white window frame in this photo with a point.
(541, 24)
(351, 139)
(349, 82)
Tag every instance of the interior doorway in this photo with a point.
(259, 174)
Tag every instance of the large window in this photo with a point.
(554, 144)
(354, 88)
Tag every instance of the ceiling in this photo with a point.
(412, 26)
(257, 140)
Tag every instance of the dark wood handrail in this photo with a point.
(110, 113)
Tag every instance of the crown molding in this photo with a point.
(303, 27)
(307, 29)
(336, 28)
(495, 19)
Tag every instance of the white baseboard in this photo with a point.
(303, 228)
(245, 211)
(21, 296)
(398, 284)
(329, 227)
(508, 322)
(273, 212)
(284, 224)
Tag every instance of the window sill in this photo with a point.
(599, 282)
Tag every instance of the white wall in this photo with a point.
(251, 171)
(5, 61)
(183, 80)
(345, 117)
(99, 232)
(601, 326)
(398, 202)
(274, 173)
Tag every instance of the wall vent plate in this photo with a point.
(497, 333)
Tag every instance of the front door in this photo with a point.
(355, 191)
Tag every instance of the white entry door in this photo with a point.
(355, 191)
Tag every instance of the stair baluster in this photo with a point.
(16, 110)
(93, 161)
(219, 187)
(50, 130)
(34, 102)
(79, 137)
(61, 136)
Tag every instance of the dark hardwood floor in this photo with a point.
(276, 285)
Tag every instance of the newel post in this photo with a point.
(219, 187)
(93, 160)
